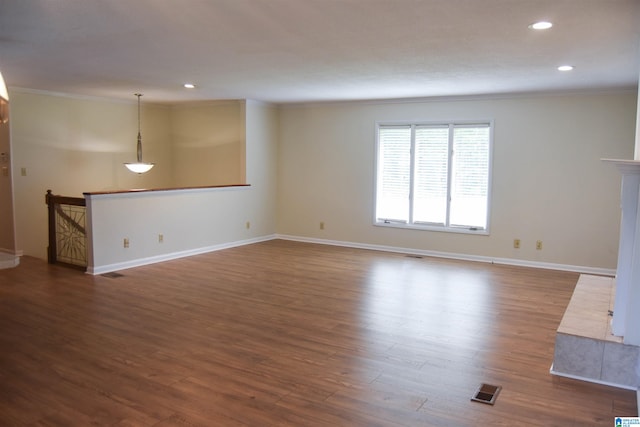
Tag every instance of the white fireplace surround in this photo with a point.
(626, 308)
(588, 346)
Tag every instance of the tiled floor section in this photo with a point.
(588, 312)
(585, 347)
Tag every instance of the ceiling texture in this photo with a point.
(289, 51)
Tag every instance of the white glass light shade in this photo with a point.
(139, 167)
(541, 25)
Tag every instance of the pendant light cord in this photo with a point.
(139, 146)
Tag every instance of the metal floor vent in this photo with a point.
(112, 275)
(487, 393)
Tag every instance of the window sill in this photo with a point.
(442, 229)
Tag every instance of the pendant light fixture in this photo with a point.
(139, 166)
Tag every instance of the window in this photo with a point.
(434, 176)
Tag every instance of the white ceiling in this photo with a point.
(315, 50)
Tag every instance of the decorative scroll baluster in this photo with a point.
(67, 233)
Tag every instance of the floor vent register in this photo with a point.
(487, 393)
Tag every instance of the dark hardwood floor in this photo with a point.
(286, 333)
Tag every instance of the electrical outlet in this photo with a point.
(23, 171)
(539, 245)
(248, 225)
(516, 243)
(322, 225)
(160, 238)
(126, 242)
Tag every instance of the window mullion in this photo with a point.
(449, 175)
(412, 172)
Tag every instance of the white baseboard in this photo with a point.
(450, 255)
(95, 270)
(8, 260)
(409, 251)
(16, 252)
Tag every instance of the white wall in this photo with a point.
(548, 181)
(262, 136)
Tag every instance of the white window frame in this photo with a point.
(434, 227)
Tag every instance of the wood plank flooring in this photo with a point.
(290, 334)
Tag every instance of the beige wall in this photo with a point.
(191, 221)
(315, 163)
(73, 145)
(7, 236)
(208, 143)
(548, 181)
(636, 155)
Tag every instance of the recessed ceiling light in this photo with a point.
(541, 25)
(189, 85)
(566, 68)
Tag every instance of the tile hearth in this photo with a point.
(585, 347)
